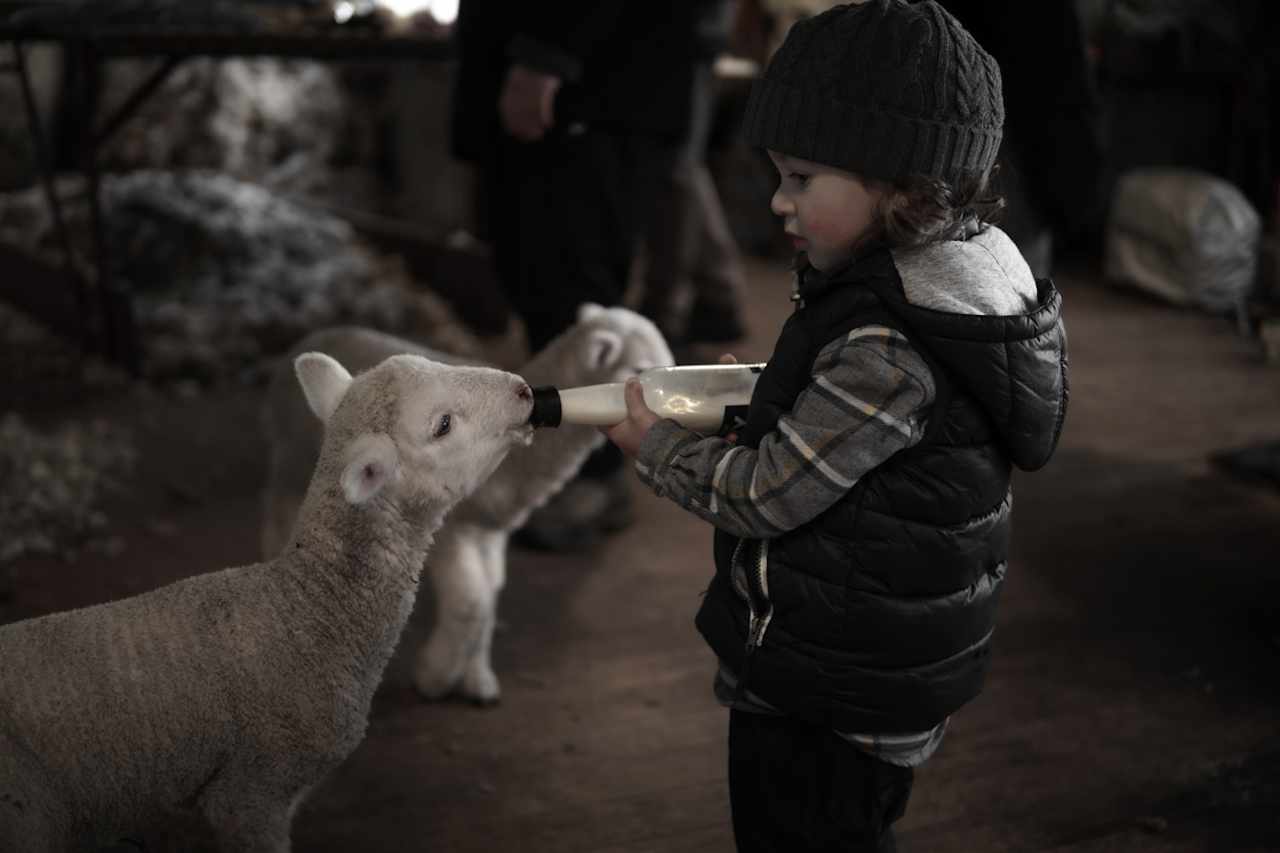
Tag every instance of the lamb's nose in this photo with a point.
(524, 392)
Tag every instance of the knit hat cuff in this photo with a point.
(872, 143)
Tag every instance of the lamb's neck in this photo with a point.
(357, 569)
(528, 477)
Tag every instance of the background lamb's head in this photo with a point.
(613, 344)
(417, 432)
(603, 345)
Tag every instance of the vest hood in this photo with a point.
(974, 306)
(1011, 357)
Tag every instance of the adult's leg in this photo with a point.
(716, 272)
(797, 787)
(671, 220)
(560, 227)
(671, 230)
(564, 220)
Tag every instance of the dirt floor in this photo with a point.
(1133, 705)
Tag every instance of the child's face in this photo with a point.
(825, 210)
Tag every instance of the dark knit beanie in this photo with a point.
(884, 88)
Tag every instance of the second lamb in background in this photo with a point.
(468, 564)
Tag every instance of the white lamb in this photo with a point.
(236, 691)
(468, 564)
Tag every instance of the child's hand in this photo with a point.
(728, 358)
(640, 418)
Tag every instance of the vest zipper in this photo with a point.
(760, 606)
(752, 585)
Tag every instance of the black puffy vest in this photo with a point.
(884, 605)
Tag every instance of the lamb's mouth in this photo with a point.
(523, 433)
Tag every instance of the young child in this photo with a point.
(862, 516)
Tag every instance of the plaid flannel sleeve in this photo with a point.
(869, 398)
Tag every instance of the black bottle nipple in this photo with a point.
(546, 407)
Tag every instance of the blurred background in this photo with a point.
(188, 187)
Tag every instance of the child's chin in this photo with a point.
(825, 263)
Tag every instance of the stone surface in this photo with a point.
(227, 273)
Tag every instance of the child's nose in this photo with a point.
(780, 204)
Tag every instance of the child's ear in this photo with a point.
(324, 382)
(372, 463)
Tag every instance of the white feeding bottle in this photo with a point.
(709, 398)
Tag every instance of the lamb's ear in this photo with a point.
(323, 380)
(372, 463)
(604, 348)
(587, 310)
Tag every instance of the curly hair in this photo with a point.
(925, 210)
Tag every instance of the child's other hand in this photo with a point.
(526, 104)
(640, 419)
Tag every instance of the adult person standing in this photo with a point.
(1055, 176)
(573, 113)
(693, 278)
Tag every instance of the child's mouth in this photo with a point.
(799, 243)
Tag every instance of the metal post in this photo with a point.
(45, 168)
(114, 298)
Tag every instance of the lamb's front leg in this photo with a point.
(33, 815)
(248, 821)
(463, 604)
(479, 683)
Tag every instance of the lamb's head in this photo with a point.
(607, 345)
(418, 432)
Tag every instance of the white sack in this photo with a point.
(1188, 237)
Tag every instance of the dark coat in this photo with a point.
(627, 66)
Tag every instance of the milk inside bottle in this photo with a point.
(709, 398)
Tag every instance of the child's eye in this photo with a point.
(799, 177)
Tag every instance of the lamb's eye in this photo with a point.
(442, 428)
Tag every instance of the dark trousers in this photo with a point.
(796, 788)
(693, 260)
(563, 215)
